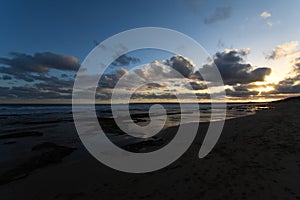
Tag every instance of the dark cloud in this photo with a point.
(17, 74)
(27, 92)
(287, 86)
(157, 76)
(220, 13)
(34, 69)
(47, 88)
(229, 62)
(196, 86)
(55, 84)
(154, 85)
(110, 80)
(153, 96)
(125, 60)
(196, 75)
(64, 75)
(40, 62)
(296, 67)
(203, 95)
(23, 66)
(181, 65)
(240, 91)
(175, 67)
(171, 96)
(233, 69)
(5, 77)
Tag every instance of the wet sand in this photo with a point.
(257, 157)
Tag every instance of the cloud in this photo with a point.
(160, 76)
(170, 96)
(296, 67)
(46, 88)
(5, 77)
(175, 67)
(22, 66)
(54, 84)
(27, 92)
(240, 91)
(153, 96)
(40, 62)
(182, 65)
(220, 13)
(125, 60)
(150, 86)
(265, 15)
(196, 86)
(233, 69)
(36, 71)
(43, 83)
(110, 80)
(157, 80)
(284, 50)
(290, 84)
(270, 23)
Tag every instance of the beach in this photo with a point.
(256, 157)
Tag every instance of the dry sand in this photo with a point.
(257, 157)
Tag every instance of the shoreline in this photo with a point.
(256, 157)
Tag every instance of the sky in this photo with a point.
(254, 44)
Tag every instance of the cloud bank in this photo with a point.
(32, 77)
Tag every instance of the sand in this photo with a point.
(257, 157)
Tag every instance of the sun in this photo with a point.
(264, 89)
(271, 79)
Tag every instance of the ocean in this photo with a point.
(29, 109)
(27, 116)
